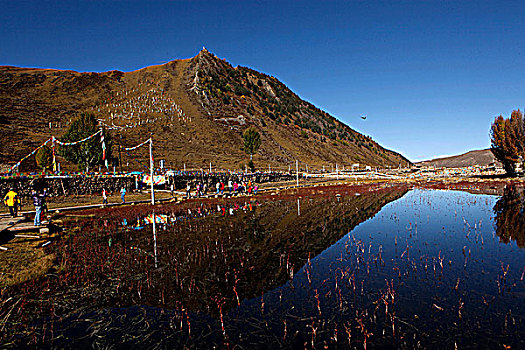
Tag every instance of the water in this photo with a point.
(387, 268)
(448, 281)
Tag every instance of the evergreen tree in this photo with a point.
(251, 165)
(252, 141)
(44, 158)
(88, 153)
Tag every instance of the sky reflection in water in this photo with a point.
(384, 268)
(427, 269)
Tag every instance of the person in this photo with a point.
(218, 187)
(222, 187)
(255, 189)
(45, 210)
(188, 189)
(104, 197)
(38, 202)
(230, 185)
(11, 201)
(123, 194)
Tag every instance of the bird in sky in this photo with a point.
(363, 117)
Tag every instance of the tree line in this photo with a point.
(507, 138)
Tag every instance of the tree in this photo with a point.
(507, 137)
(304, 134)
(251, 166)
(510, 215)
(252, 141)
(88, 153)
(44, 158)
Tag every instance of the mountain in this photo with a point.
(196, 110)
(482, 157)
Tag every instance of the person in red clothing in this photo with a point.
(104, 197)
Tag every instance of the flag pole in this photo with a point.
(151, 169)
(297, 171)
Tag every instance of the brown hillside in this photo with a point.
(482, 157)
(196, 110)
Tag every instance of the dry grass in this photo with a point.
(24, 261)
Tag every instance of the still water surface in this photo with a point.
(385, 268)
(428, 270)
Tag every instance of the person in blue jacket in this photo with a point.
(39, 201)
(123, 194)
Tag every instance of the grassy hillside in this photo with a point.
(196, 110)
(483, 157)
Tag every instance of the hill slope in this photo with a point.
(482, 157)
(196, 110)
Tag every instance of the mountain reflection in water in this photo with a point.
(322, 269)
(203, 259)
(240, 250)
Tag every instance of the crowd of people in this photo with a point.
(13, 201)
(232, 188)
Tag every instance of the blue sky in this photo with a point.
(430, 75)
